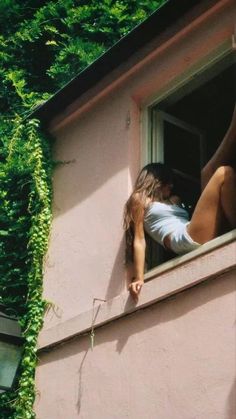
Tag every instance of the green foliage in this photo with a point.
(43, 45)
(25, 217)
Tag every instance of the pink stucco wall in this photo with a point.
(100, 146)
(86, 255)
(173, 360)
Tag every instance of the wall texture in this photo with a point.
(176, 358)
(100, 147)
(173, 360)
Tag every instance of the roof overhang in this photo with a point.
(155, 25)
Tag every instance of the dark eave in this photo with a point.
(153, 26)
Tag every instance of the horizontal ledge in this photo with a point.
(211, 260)
(203, 249)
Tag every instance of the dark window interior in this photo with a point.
(208, 107)
(181, 150)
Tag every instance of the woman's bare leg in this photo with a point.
(228, 196)
(224, 154)
(217, 201)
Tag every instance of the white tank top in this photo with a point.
(161, 219)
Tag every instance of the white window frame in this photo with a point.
(213, 63)
(207, 67)
(157, 146)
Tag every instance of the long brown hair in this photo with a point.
(147, 186)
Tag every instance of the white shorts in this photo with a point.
(181, 242)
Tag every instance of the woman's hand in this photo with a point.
(135, 288)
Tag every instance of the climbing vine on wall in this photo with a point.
(25, 216)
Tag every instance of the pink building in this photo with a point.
(165, 92)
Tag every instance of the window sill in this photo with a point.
(180, 260)
(210, 260)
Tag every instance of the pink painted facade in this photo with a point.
(172, 356)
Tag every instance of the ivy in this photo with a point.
(25, 217)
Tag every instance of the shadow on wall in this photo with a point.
(80, 386)
(117, 283)
(94, 149)
(91, 189)
(165, 311)
(190, 299)
(232, 402)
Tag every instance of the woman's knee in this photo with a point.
(225, 174)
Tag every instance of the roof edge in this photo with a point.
(154, 25)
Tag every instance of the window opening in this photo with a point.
(186, 129)
(182, 147)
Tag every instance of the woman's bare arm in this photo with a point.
(139, 247)
(139, 251)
